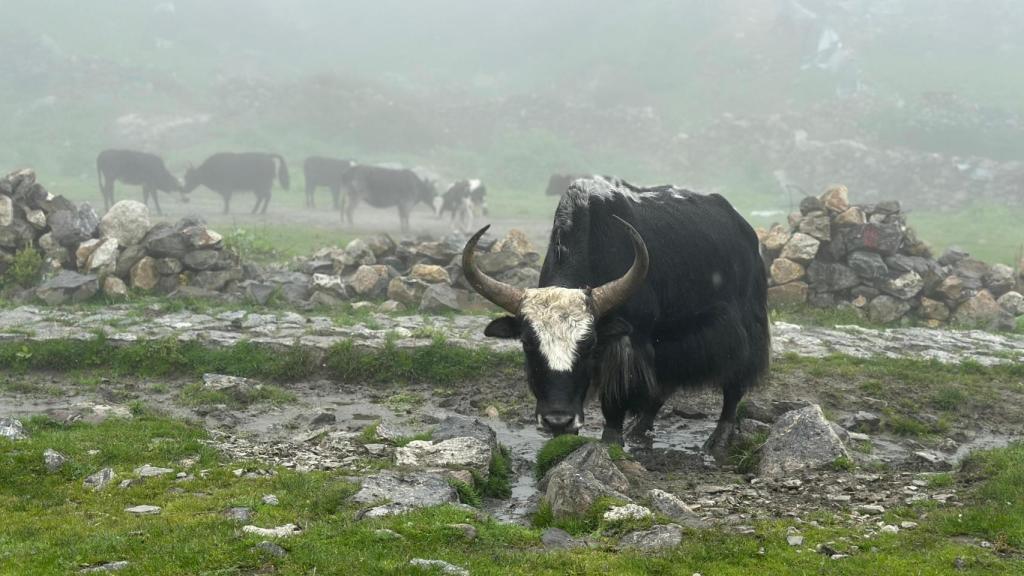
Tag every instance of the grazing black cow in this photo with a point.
(466, 200)
(643, 291)
(382, 187)
(329, 172)
(559, 183)
(229, 172)
(136, 169)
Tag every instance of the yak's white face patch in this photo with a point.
(561, 319)
(474, 184)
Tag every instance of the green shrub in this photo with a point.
(26, 268)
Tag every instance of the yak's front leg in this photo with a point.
(718, 444)
(614, 416)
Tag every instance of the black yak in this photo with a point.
(229, 172)
(136, 169)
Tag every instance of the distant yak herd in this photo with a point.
(227, 173)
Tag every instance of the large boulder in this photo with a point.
(800, 440)
(127, 221)
(456, 426)
(791, 294)
(17, 234)
(408, 291)
(573, 486)
(1012, 302)
(657, 539)
(72, 227)
(202, 260)
(370, 281)
(836, 199)
(6, 210)
(884, 238)
(784, 271)
(430, 273)
(68, 287)
(441, 298)
(831, 276)
(103, 258)
(885, 309)
(165, 241)
(903, 286)
(867, 265)
(144, 275)
(1000, 279)
(777, 238)
(982, 311)
(801, 248)
(817, 224)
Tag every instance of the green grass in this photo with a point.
(745, 452)
(52, 525)
(197, 395)
(556, 450)
(499, 474)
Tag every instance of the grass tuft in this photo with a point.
(556, 450)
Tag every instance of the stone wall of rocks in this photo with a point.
(84, 254)
(866, 258)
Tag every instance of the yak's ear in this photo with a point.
(504, 327)
(614, 327)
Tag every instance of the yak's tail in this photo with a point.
(282, 172)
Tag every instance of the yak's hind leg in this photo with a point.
(718, 443)
(148, 193)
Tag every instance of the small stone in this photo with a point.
(872, 509)
(439, 565)
(238, 514)
(784, 271)
(268, 547)
(12, 429)
(323, 419)
(270, 500)
(836, 199)
(143, 510)
(100, 480)
(491, 412)
(468, 530)
(801, 248)
(108, 567)
(626, 512)
(558, 539)
(889, 529)
(147, 471)
(278, 532)
(778, 236)
(430, 273)
(53, 460)
(908, 525)
(114, 288)
(656, 539)
(794, 539)
(388, 534)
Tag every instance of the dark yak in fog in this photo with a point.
(321, 171)
(465, 199)
(229, 172)
(136, 169)
(382, 187)
(559, 183)
(685, 309)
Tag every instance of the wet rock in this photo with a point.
(791, 294)
(404, 491)
(933, 310)
(836, 199)
(800, 440)
(272, 549)
(801, 248)
(202, 260)
(68, 287)
(456, 452)
(430, 273)
(951, 290)
(438, 566)
(51, 249)
(811, 204)
(127, 222)
(784, 271)
(217, 280)
(323, 419)
(885, 309)
(884, 238)
(558, 539)
(671, 506)
(853, 216)
(72, 227)
(573, 486)
(143, 510)
(200, 237)
(777, 238)
(440, 298)
(12, 429)
(867, 265)
(871, 509)
(952, 256)
(278, 532)
(658, 538)
(144, 275)
(972, 273)
(37, 218)
(862, 421)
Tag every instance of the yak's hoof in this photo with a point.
(611, 436)
(718, 444)
(641, 434)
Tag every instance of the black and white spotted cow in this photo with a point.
(644, 291)
(466, 200)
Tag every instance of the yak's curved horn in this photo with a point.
(505, 296)
(611, 295)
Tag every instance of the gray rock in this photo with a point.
(495, 263)
(370, 282)
(801, 248)
(816, 224)
(259, 292)
(831, 277)
(147, 471)
(657, 539)
(202, 260)
(572, 487)
(867, 265)
(404, 491)
(108, 567)
(406, 291)
(800, 440)
(52, 459)
(884, 238)
(982, 310)
(16, 235)
(903, 286)
(72, 227)
(885, 309)
(440, 298)
(67, 287)
(671, 506)
(270, 500)
(272, 549)
(862, 421)
(164, 241)
(456, 426)
(217, 280)
(143, 510)
(114, 288)
(100, 480)
(128, 257)
(199, 236)
(12, 429)
(168, 266)
(558, 539)
(6, 210)
(241, 515)
(127, 221)
(466, 453)
(952, 256)
(1000, 279)
(521, 277)
(439, 566)
(1012, 302)
(811, 204)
